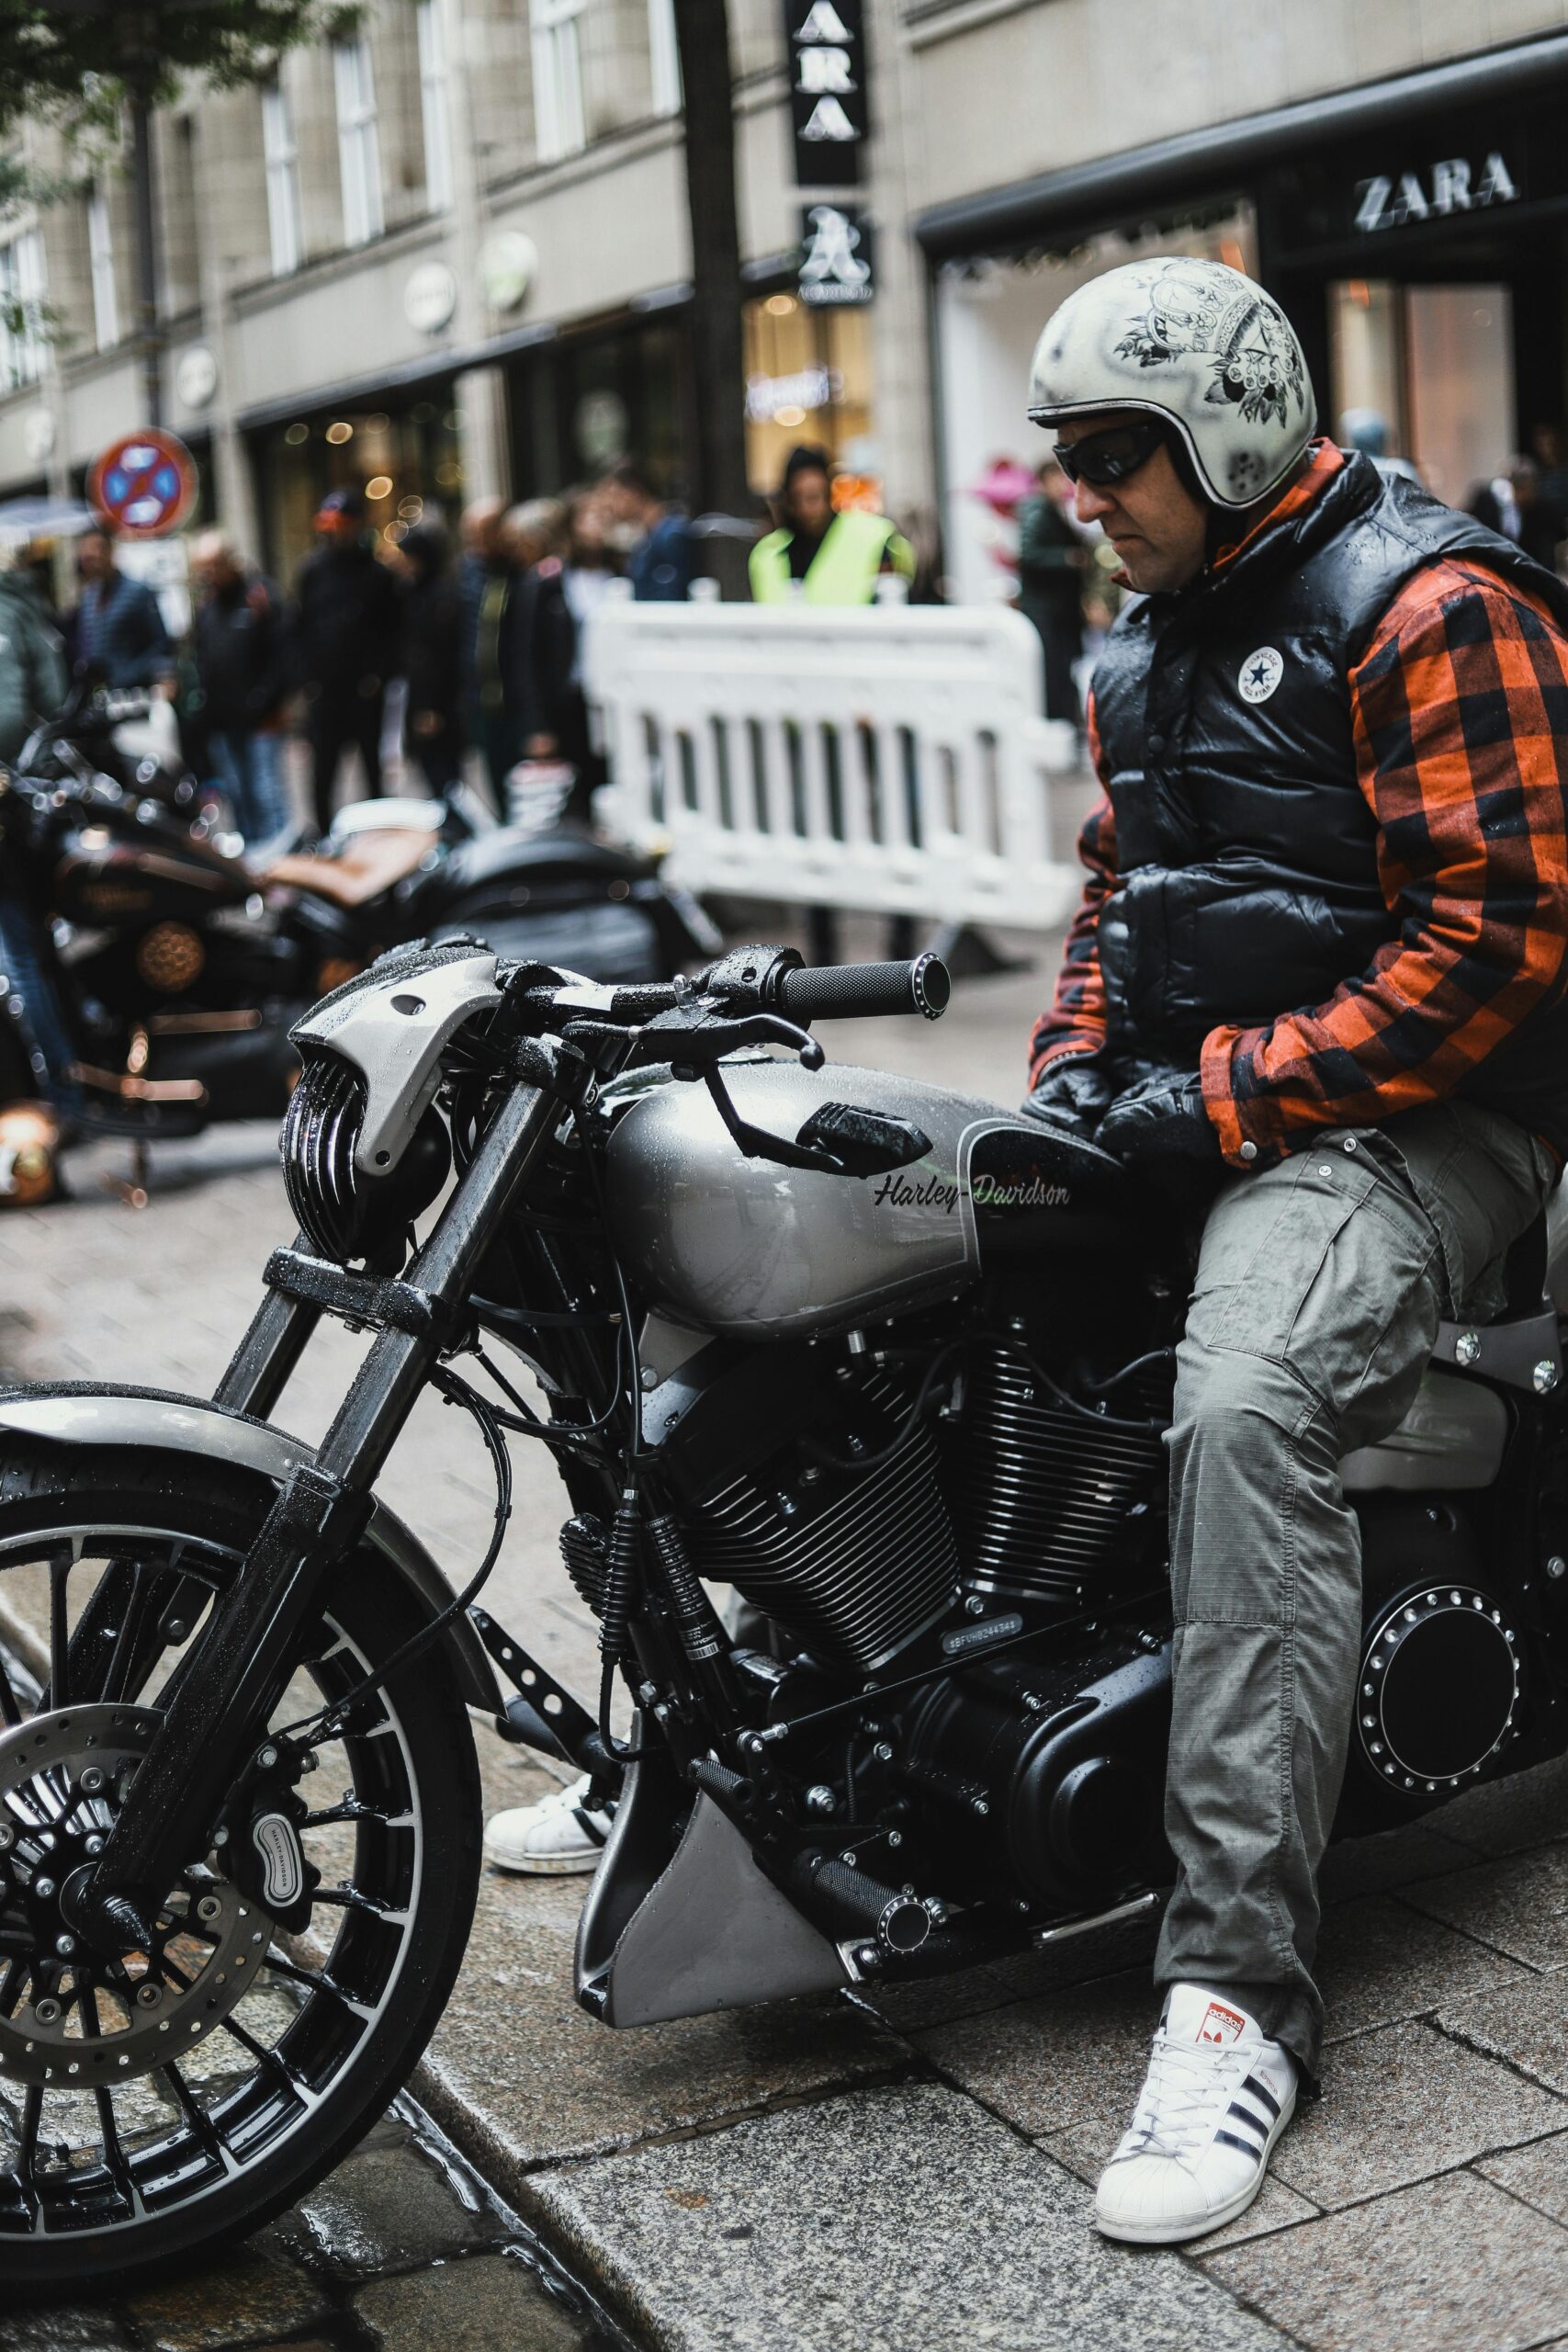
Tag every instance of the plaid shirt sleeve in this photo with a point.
(1075, 1022)
(1460, 708)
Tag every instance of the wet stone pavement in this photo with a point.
(401, 2245)
(905, 2171)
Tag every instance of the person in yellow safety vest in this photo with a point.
(817, 556)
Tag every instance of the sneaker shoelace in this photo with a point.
(1185, 2090)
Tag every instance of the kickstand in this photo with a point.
(132, 1189)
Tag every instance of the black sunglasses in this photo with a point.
(1104, 458)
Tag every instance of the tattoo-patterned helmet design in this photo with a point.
(1193, 341)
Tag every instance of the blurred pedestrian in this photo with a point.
(1366, 429)
(486, 576)
(117, 625)
(823, 557)
(1052, 562)
(432, 625)
(658, 536)
(33, 675)
(347, 619)
(539, 640)
(239, 652)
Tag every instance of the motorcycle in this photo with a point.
(893, 1362)
(180, 966)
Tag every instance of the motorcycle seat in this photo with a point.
(369, 865)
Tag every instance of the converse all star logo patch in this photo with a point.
(1261, 672)
(1219, 2024)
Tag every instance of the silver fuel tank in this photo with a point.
(749, 1249)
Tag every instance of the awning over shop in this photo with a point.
(1165, 172)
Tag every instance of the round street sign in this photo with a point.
(144, 484)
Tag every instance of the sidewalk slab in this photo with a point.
(1400, 2105)
(902, 2220)
(1449, 2268)
(1537, 2175)
(1527, 2028)
(1518, 1905)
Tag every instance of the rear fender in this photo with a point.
(86, 1414)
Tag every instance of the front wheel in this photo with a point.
(155, 2104)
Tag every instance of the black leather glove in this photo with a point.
(1160, 1121)
(1074, 1093)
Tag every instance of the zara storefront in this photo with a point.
(1416, 231)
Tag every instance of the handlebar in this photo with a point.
(863, 991)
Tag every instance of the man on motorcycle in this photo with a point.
(1316, 985)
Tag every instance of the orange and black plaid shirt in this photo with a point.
(1460, 708)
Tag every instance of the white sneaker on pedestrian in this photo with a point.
(1217, 2096)
(557, 1836)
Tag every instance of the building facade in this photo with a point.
(450, 257)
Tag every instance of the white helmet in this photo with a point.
(1195, 343)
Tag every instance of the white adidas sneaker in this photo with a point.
(561, 1834)
(1217, 2096)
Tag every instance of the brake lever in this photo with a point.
(694, 1041)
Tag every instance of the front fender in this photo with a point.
(86, 1413)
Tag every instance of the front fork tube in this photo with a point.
(220, 1708)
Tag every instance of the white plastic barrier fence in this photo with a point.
(889, 757)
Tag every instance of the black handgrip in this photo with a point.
(862, 991)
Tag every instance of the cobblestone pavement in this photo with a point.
(906, 2172)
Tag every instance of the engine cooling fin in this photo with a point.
(1042, 1496)
(857, 1564)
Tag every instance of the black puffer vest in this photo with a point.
(1245, 849)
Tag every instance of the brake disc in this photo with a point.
(69, 2018)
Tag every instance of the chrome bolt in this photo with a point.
(883, 1751)
(7, 1836)
(1467, 1347)
(819, 1799)
(91, 1781)
(65, 1946)
(220, 1837)
(43, 1888)
(266, 1757)
(209, 1909)
(849, 1861)
(649, 1377)
(1544, 1377)
(1557, 1567)
(974, 1606)
(980, 1805)
(895, 1839)
(308, 1762)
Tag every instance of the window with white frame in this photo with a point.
(21, 309)
(281, 151)
(664, 57)
(358, 148)
(559, 126)
(434, 101)
(100, 262)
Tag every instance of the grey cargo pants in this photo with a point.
(1320, 1283)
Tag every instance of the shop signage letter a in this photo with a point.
(826, 51)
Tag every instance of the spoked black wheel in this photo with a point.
(153, 2104)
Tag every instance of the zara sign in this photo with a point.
(827, 76)
(1395, 201)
